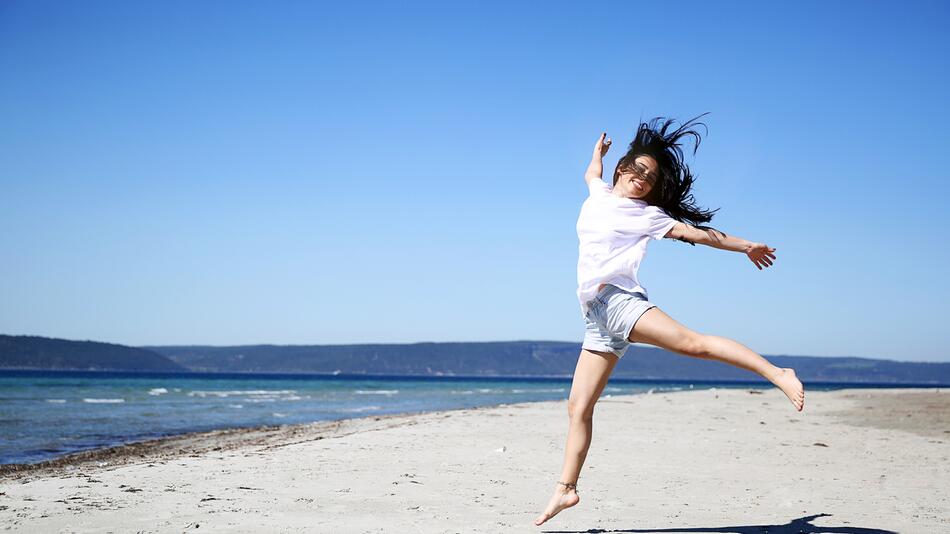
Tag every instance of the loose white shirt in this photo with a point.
(613, 232)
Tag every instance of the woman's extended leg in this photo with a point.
(591, 375)
(659, 329)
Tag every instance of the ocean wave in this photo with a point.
(277, 414)
(231, 393)
(104, 401)
(56, 401)
(235, 405)
(157, 391)
(376, 392)
(361, 409)
(539, 390)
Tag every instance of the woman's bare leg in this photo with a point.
(659, 329)
(591, 375)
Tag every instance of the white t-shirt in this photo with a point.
(613, 233)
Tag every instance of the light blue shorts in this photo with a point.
(610, 318)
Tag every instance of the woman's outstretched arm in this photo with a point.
(596, 168)
(759, 253)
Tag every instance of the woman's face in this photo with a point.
(637, 179)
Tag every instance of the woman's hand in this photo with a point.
(760, 254)
(602, 146)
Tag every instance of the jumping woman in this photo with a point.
(650, 198)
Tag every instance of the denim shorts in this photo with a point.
(610, 318)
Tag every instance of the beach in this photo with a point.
(716, 460)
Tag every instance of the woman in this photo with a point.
(650, 198)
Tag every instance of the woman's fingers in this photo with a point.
(760, 261)
(762, 255)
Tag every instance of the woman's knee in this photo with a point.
(578, 409)
(695, 345)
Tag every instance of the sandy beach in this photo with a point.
(723, 460)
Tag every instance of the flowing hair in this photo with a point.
(655, 138)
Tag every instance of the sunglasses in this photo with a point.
(640, 171)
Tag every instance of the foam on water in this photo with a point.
(230, 393)
(361, 409)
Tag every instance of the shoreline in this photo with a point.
(199, 442)
(233, 437)
(724, 460)
(202, 441)
(228, 439)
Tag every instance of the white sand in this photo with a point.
(723, 461)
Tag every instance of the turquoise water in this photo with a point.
(44, 415)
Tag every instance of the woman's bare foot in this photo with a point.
(791, 385)
(563, 498)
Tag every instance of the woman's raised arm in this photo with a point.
(759, 253)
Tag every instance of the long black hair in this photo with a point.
(655, 138)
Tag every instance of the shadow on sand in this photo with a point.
(801, 525)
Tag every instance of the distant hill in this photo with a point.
(527, 358)
(34, 352)
(502, 358)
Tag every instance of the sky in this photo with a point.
(226, 173)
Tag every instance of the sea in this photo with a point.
(48, 414)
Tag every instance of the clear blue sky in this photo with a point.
(296, 172)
